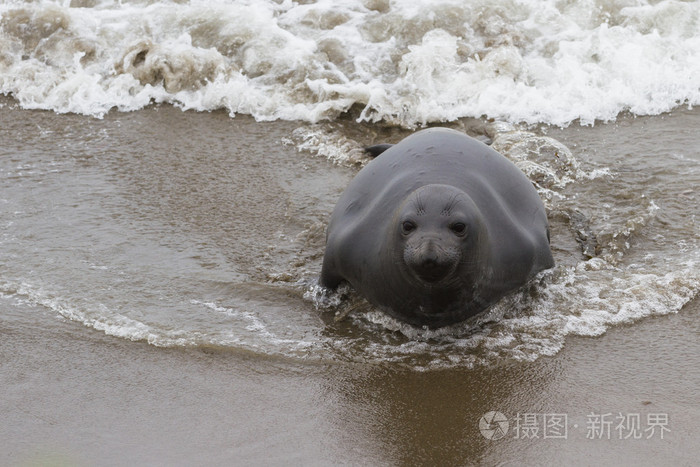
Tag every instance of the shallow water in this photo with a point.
(78, 397)
(196, 230)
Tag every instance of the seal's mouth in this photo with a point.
(432, 277)
(432, 272)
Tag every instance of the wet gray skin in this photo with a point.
(436, 229)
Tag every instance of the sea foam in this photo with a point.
(408, 63)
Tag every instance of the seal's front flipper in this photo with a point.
(377, 149)
(329, 280)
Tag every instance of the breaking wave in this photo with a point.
(409, 63)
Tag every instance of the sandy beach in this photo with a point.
(73, 396)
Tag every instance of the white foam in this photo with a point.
(584, 300)
(329, 143)
(259, 329)
(98, 318)
(405, 62)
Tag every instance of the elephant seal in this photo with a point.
(436, 229)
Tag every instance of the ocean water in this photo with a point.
(205, 228)
(405, 62)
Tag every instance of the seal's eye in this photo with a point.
(459, 228)
(408, 227)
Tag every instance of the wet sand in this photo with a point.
(76, 396)
(73, 395)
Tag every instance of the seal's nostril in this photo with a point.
(430, 260)
(432, 268)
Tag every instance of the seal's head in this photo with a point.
(439, 229)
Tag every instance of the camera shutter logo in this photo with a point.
(493, 425)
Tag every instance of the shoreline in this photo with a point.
(77, 396)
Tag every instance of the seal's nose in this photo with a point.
(433, 264)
